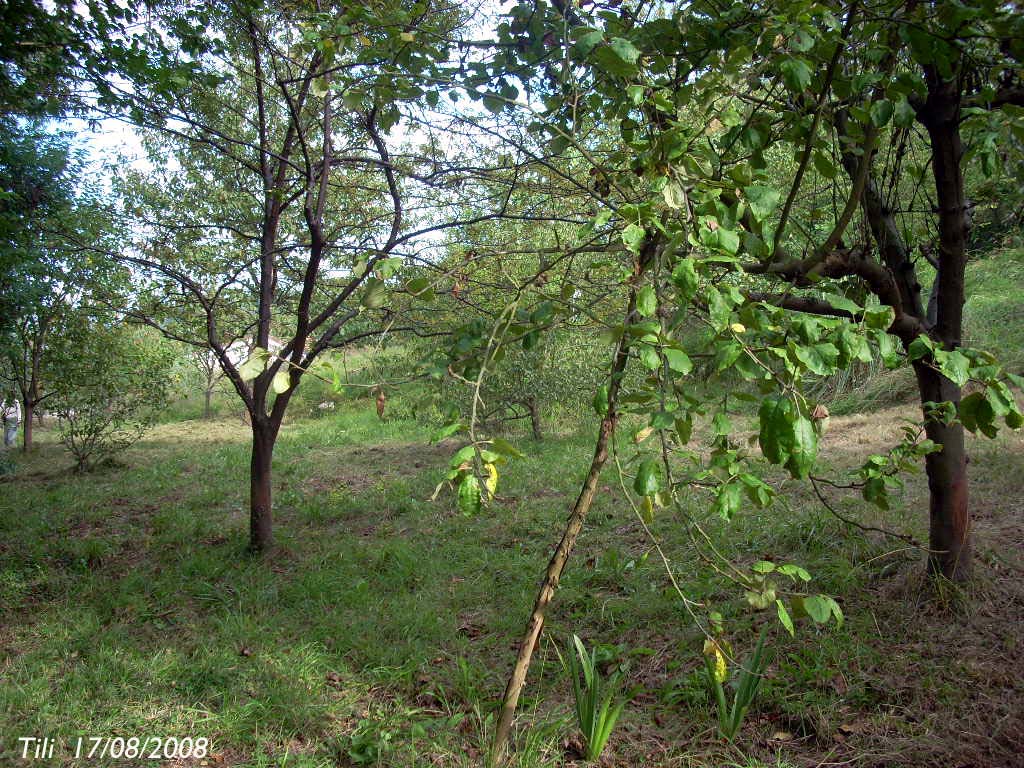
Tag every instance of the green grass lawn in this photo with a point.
(381, 630)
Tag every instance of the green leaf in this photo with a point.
(1014, 419)
(762, 200)
(386, 268)
(684, 276)
(875, 492)
(785, 618)
(648, 478)
(374, 294)
(684, 429)
(721, 424)
(976, 413)
(624, 49)
(955, 366)
(462, 456)
(789, 569)
(920, 347)
(823, 163)
(888, 350)
(649, 357)
(588, 39)
(841, 302)
(354, 99)
(881, 112)
(505, 448)
(718, 309)
(728, 240)
(678, 360)
(661, 420)
(819, 359)
(796, 73)
(818, 608)
(837, 611)
(879, 318)
(904, 115)
(418, 286)
(647, 301)
(469, 495)
(601, 400)
(633, 237)
(319, 87)
(727, 354)
(728, 500)
(804, 448)
(446, 431)
(559, 144)
(775, 434)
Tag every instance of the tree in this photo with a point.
(287, 206)
(211, 372)
(743, 142)
(35, 67)
(709, 128)
(47, 278)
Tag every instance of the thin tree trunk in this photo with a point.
(949, 536)
(261, 520)
(207, 406)
(573, 526)
(531, 404)
(547, 591)
(27, 429)
(949, 521)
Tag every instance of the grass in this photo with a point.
(381, 630)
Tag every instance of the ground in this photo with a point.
(382, 628)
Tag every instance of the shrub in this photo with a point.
(111, 391)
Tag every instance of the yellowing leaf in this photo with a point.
(254, 364)
(491, 483)
(280, 382)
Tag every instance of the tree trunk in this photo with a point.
(949, 524)
(27, 427)
(261, 520)
(949, 521)
(207, 407)
(531, 404)
(556, 565)
(573, 526)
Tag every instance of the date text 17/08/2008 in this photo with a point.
(98, 747)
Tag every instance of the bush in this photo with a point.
(111, 391)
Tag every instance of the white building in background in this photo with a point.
(239, 350)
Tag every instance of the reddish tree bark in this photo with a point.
(261, 516)
(949, 518)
